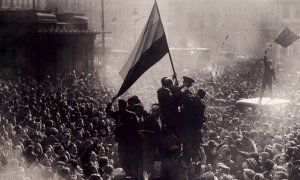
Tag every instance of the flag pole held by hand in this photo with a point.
(113, 99)
(175, 75)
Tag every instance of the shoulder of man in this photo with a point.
(130, 113)
(164, 91)
(197, 101)
(176, 89)
(189, 98)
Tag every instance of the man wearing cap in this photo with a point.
(181, 93)
(225, 158)
(186, 88)
(223, 171)
(193, 119)
(269, 75)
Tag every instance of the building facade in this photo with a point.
(40, 42)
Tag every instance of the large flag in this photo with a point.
(286, 37)
(150, 48)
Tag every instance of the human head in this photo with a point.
(260, 147)
(212, 144)
(93, 156)
(155, 109)
(269, 165)
(280, 175)
(226, 153)
(133, 100)
(209, 176)
(64, 172)
(277, 148)
(201, 93)
(248, 174)
(122, 104)
(222, 168)
(263, 156)
(187, 81)
(258, 176)
(282, 159)
(166, 82)
(250, 163)
(138, 109)
(72, 164)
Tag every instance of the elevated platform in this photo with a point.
(254, 102)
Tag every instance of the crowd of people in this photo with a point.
(66, 127)
(56, 128)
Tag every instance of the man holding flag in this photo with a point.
(269, 75)
(285, 38)
(150, 48)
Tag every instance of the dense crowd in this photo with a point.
(62, 128)
(56, 128)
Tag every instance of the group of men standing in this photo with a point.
(182, 113)
(172, 125)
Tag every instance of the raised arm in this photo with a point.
(109, 111)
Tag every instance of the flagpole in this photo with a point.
(172, 64)
(175, 76)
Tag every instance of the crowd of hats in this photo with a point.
(56, 127)
(249, 143)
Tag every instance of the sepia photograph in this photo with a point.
(149, 89)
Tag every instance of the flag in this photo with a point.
(150, 48)
(286, 37)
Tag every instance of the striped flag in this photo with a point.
(150, 48)
(286, 37)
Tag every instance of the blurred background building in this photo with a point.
(41, 41)
(196, 29)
